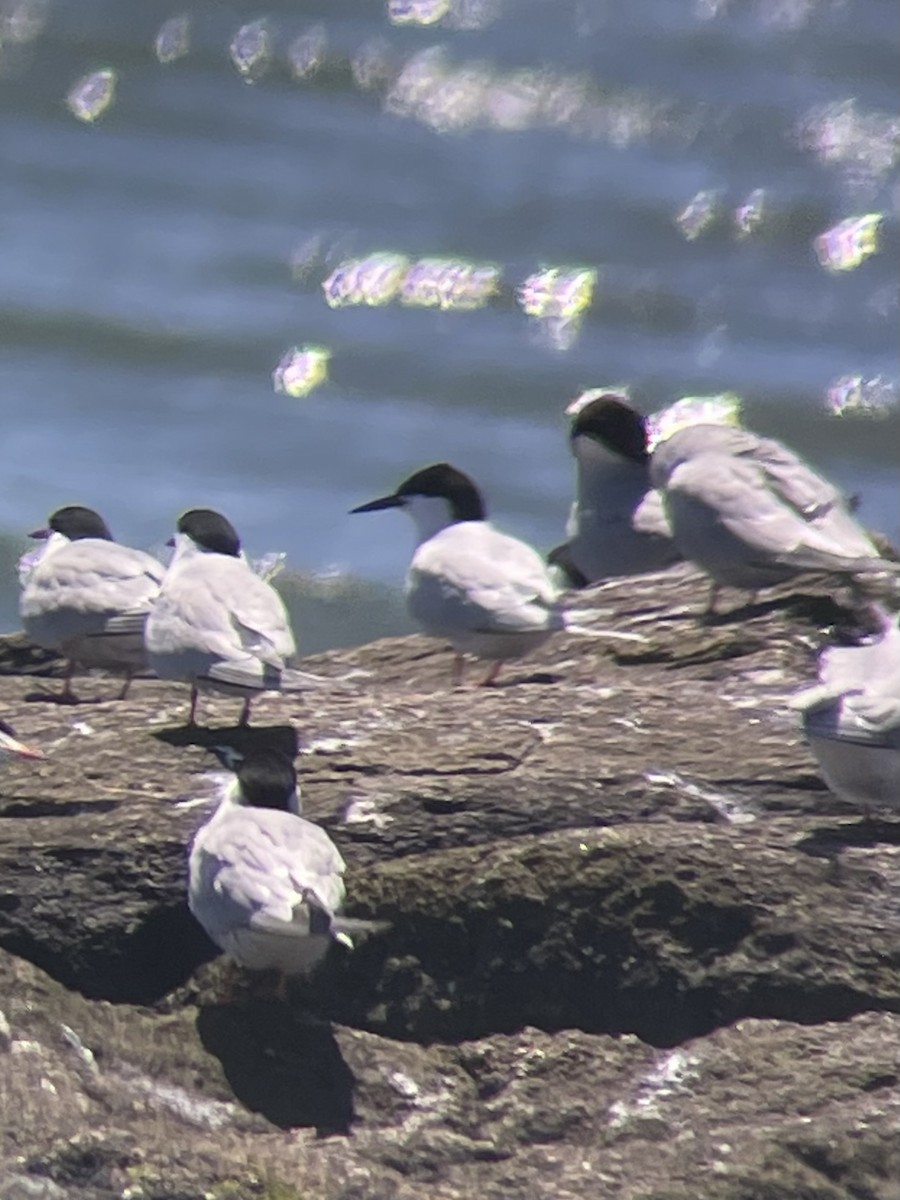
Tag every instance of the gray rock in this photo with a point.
(635, 950)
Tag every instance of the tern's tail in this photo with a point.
(345, 929)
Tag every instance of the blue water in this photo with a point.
(158, 263)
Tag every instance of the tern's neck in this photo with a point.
(230, 799)
(606, 480)
(54, 542)
(430, 515)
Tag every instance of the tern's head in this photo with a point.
(435, 497)
(605, 418)
(74, 522)
(10, 744)
(209, 531)
(263, 778)
(267, 779)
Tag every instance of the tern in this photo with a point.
(88, 597)
(488, 594)
(751, 513)
(852, 718)
(216, 624)
(617, 525)
(265, 883)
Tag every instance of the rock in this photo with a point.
(634, 943)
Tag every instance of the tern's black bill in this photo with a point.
(40, 535)
(375, 505)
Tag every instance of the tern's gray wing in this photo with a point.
(217, 606)
(737, 495)
(84, 588)
(91, 576)
(793, 479)
(770, 475)
(472, 578)
(254, 868)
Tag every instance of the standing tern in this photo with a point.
(215, 624)
(751, 513)
(617, 525)
(266, 884)
(488, 594)
(88, 596)
(852, 718)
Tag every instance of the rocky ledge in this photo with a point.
(635, 948)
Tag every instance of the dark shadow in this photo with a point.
(125, 966)
(246, 739)
(866, 833)
(815, 609)
(281, 1063)
(536, 677)
(59, 697)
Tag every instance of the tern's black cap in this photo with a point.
(267, 780)
(610, 419)
(441, 481)
(210, 530)
(74, 522)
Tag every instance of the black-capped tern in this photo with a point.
(488, 594)
(265, 883)
(617, 525)
(215, 624)
(88, 596)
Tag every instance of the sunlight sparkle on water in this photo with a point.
(306, 52)
(849, 243)
(457, 14)
(852, 395)
(448, 283)
(458, 97)
(373, 280)
(251, 49)
(864, 145)
(22, 21)
(92, 95)
(749, 216)
(699, 214)
(557, 299)
(301, 370)
(174, 39)
(382, 277)
(417, 12)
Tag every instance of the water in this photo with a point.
(160, 260)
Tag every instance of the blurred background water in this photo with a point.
(443, 219)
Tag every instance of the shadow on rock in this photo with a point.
(284, 1065)
(246, 739)
(866, 833)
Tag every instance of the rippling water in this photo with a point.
(463, 213)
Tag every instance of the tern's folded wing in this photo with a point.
(263, 862)
(485, 584)
(737, 494)
(92, 576)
